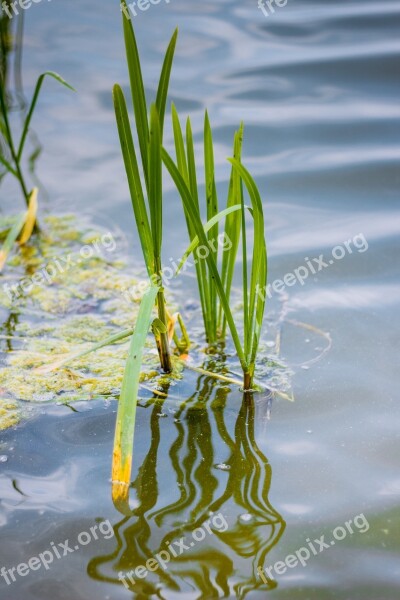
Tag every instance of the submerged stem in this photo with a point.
(162, 337)
(247, 381)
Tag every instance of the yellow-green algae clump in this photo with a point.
(10, 413)
(81, 301)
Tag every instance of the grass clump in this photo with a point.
(149, 128)
(215, 281)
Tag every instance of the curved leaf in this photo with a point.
(36, 93)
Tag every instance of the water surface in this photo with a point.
(317, 86)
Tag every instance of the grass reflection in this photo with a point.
(206, 462)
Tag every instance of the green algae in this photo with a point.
(80, 306)
(10, 413)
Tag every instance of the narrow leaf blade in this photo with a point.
(134, 181)
(137, 87)
(163, 85)
(126, 414)
(32, 107)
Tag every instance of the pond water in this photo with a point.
(244, 482)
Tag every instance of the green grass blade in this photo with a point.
(246, 315)
(179, 146)
(201, 266)
(134, 181)
(7, 165)
(232, 227)
(163, 85)
(187, 168)
(155, 182)
(259, 263)
(192, 166)
(212, 208)
(260, 305)
(198, 227)
(33, 105)
(126, 415)
(211, 192)
(137, 89)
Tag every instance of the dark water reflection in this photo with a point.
(180, 486)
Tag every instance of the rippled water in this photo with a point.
(317, 86)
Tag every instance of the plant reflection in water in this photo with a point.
(181, 483)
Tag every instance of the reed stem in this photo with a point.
(162, 341)
(162, 337)
(247, 381)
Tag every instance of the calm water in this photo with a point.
(317, 86)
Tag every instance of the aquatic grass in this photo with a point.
(149, 126)
(219, 283)
(126, 414)
(187, 168)
(212, 316)
(11, 156)
(233, 227)
(11, 152)
(212, 211)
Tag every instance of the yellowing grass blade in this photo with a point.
(125, 425)
(30, 217)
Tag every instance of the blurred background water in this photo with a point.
(317, 85)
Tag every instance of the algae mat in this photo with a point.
(63, 292)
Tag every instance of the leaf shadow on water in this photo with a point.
(211, 424)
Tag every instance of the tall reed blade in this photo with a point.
(212, 210)
(137, 88)
(126, 414)
(155, 204)
(187, 168)
(133, 176)
(232, 227)
(259, 272)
